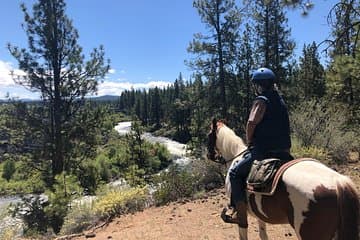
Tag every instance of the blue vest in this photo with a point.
(273, 132)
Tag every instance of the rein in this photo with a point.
(220, 160)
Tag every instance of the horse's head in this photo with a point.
(223, 144)
(213, 153)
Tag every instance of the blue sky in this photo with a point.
(145, 40)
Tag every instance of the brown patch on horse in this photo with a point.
(325, 206)
(277, 208)
(349, 210)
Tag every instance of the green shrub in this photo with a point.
(324, 125)
(31, 210)
(187, 182)
(209, 175)
(79, 218)
(118, 202)
(174, 184)
(89, 177)
(8, 169)
(299, 151)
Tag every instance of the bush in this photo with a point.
(299, 151)
(79, 218)
(209, 175)
(115, 202)
(186, 182)
(324, 125)
(31, 210)
(8, 169)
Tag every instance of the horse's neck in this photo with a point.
(230, 145)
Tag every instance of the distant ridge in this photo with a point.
(97, 98)
(105, 98)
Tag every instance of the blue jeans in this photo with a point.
(238, 175)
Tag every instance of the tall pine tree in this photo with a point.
(216, 51)
(274, 48)
(55, 67)
(311, 75)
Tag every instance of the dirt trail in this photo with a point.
(198, 219)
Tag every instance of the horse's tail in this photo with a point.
(349, 211)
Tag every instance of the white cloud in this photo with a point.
(116, 88)
(5, 77)
(112, 71)
(7, 84)
(6, 69)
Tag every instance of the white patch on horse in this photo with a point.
(301, 186)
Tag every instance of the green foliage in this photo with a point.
(24, 180)
(273, 41)
(8, 169)
(174, 184)
(80, 217)
(118, 202)
(324, 125)
(185, 182)
(89, 176)
(31, 210)
(300, 151)
(215, 51)
(311, 76)
(55, 66)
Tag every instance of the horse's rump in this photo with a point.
(326, 202)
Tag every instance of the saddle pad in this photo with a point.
(271, 185)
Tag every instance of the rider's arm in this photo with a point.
(256, 115)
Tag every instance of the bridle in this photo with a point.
(213, 153)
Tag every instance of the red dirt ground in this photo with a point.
(196, 219)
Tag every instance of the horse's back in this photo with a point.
(318, 194)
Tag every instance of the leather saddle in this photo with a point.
(264, 175)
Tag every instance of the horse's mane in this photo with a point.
(229, 132)
(230, 142)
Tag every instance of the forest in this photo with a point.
(64, 144)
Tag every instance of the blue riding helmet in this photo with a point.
(262, 74)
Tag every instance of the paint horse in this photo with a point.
(318, 202)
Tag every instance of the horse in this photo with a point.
(318, 202)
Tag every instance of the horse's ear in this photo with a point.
(223, 120)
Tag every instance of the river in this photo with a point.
(176, 149)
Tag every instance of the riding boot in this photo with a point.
(240, 217)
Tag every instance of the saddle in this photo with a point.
(264, 175)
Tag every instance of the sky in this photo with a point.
(145, 40)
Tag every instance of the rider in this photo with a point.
(267, 135)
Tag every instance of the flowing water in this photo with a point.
(176, 149)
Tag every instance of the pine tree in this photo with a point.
(345, 22)
(216, 51)
(311, 75)
(155, 107)
(55, 67)
(274, 47)
(245, 65)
